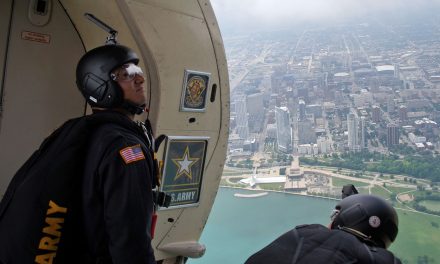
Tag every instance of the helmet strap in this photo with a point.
(132, 108)
(358, 234)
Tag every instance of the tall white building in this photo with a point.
(356, 132)
(301, 110)
(324, 145)
(284, 129)
(242, 118)
(352, 128)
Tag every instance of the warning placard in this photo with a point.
(35, 36)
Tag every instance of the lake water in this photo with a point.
(238, 227)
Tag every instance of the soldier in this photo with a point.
(362, 228)
(117, 200)
(86, 195)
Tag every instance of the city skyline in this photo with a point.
(381, 73)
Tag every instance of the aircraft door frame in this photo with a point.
(6, 7)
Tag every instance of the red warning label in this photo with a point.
(34, 36)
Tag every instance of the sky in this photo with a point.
(238, 16)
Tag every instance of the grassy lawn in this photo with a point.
(229, 172)
(384, 177)
(337, 182)
(419, 235)
(272, 186)
(431, 205)
(397, 190)
(380, 192)
(235, 180)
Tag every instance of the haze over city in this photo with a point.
(245, 16)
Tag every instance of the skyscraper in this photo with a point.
(255, 109)
(352, 127)
(301, 110)
(363, 143)
(392, 135)
(242, 118)
(375, 114)
(403, 113)
(306, 132)
(390, 104)
(284, 130)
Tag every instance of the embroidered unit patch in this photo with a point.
(131, 154)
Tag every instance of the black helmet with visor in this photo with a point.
(94, 76)
(369, 217)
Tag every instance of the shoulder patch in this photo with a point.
(132, 154)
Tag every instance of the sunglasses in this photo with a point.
(126, 72)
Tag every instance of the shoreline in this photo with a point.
(290, 193)
(317, 196)
(253, 195)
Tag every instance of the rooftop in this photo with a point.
(385, 68)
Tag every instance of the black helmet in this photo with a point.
(93, 74)
(370, 215)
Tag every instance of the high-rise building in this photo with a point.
(363, 143)
(301, 110)
(375, 114)
(392, 135)
(255, 104)
(324, 145)
(403, 113)
(356, 131)
(314, 109)
(255, 109)
(284, 130)
(306, 132)
(352, 127)
(390, 104)
(303, 92)
(242, 118)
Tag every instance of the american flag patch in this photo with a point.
(131, 154)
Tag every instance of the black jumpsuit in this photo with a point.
(318, 244)
(99, 170)
(117, 194)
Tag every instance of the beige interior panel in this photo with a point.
(39, 92)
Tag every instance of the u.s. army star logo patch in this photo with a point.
(183, 169)
(184, 164)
